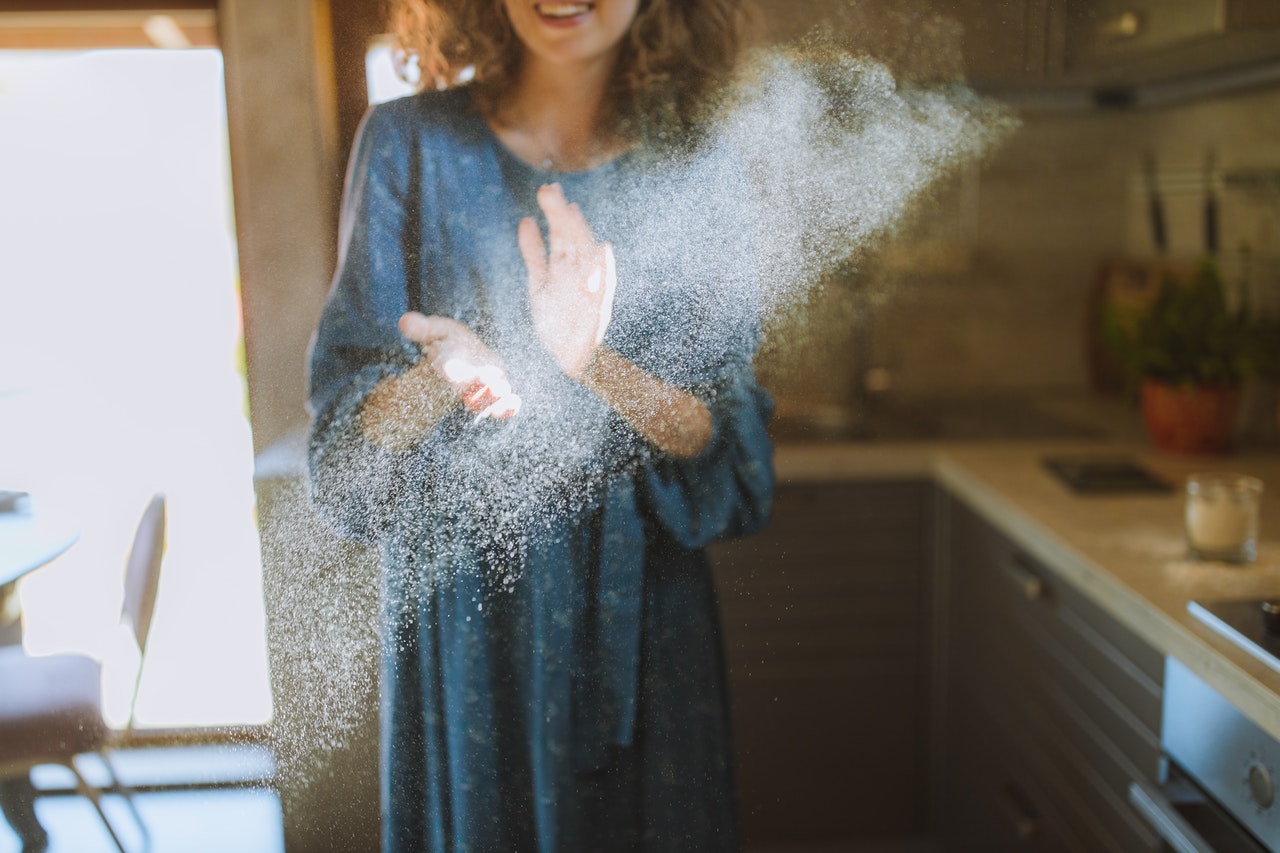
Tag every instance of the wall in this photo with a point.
(1046, 209)
(985, 290)
(1243, 131)
(1027, 233)
(285, 176)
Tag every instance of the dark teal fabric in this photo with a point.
(552, 672)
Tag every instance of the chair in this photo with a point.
(50, 706)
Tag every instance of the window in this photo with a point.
(121, 354)
(380, 73)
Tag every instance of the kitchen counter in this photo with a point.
(1027, 416)
(1125, 552)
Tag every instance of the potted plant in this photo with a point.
(1189, 350)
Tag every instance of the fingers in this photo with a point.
(567, 228)
(460, 371)
(571, 242)
(486, 401)
(483, 389)
(534, 252)
(502, 408)
(573, 280)
(468, 376)
(610, 288)
(477, 396)
(460, 358)
(600, 269)
(414, 326)
(441, 337)
(424, 330)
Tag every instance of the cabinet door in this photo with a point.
(1009, 41)
(1137, 41)
(1063, 699)
(996, 799)
(1108, 31)
(825, 625)
(981, 40)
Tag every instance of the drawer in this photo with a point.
(1072, 695)
(1079, 762)
(994, 581)
(999, 800)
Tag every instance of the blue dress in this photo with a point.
(552, 674)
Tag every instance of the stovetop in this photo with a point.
(1241, 621)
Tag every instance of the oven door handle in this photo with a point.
(1162, 817)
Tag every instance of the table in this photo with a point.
(28, 540)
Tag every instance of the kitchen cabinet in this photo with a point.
(825, 623)
(1145, 41)
(1009, 41)
(1046, 707)
(1056, 54)
(982, 40)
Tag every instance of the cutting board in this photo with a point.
(1126, 285)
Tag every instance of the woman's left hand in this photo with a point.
(571, 285)
(458, 356)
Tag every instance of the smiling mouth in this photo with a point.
(561, 11)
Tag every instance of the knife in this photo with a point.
(1155, 206)
(1210, 205)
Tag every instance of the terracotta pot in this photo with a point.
(1190, 418)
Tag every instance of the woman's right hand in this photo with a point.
(474, 371)
(571, 281)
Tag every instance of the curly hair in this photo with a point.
(668, 83)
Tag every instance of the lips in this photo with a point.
(562, 11)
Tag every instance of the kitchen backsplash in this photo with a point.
(991, 291)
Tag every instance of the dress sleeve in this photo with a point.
(357, 344)
(726, 491)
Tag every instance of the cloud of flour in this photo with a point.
(839, 153)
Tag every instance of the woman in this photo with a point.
(542, 431)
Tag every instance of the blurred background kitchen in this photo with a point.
(171, 172)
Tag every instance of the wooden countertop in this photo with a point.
(1126, 552)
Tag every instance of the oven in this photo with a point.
(1219, 777)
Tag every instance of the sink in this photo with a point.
(967, 419)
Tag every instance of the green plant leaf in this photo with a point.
(1190, 334)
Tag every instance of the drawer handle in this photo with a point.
(1031, 585)
(1161, 816)
(1025, 825)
